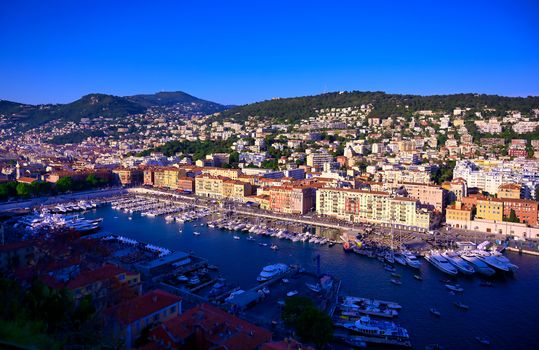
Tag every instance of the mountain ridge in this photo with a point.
(111, 106)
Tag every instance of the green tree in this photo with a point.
(311, 324)
(93, 181)
(314, 326)
(23, 190)
(293, 308)
(512, 217)
(65, 184)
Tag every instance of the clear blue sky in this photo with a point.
(238, 52)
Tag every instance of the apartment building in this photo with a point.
(526, 210)
(511, 191)
(371, 206)
(128, 177)
(458, 215)
(317, 160)
(490, 209)
(230, 173)
(431, 197)
(292, 199)
(219, 187)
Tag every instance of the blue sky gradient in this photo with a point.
(237, 52)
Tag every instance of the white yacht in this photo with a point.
(270, 271)
(373, 328)
(411, 260)
(461, 264)
(441, 263)
(479, 265)
(492, 261)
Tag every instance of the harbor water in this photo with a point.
(504, 313)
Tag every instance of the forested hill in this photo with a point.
(297, 108)
(28, 116)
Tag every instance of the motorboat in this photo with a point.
(194, 280)
(292, 293)
(435, 312)
(315, 287)
(182, 278)
(411, 260)
(460, 305)
(483, 340)
(399, 258)
(271, 271)
(395, 281)
(454, 288)
(441, 263)
(196, 233)
(418, 277)
(461, 264)
(494, 261)
(234, 294)
(236, 237)
(479, 265)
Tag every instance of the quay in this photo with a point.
(523, 251)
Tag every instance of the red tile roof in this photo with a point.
(214, 327)
(142, 306)
(103, 273)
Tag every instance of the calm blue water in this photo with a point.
(506, 313)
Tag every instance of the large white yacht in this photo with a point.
(461, 264)
(270, 271)
(411, 260)
(479, 265)
(441, 263)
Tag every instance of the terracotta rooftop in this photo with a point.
(142, 306)
(215, 328)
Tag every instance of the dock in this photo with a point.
(357, 340)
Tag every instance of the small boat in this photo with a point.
(418, 277)
(182, 278)
(396, 275)
(130, 218)
(274, 247)
(250, 238)
(390, 268)
(485, 284)
(292, 293)
(396, 281)
(315, 287)
(483, 340)
(266, 290)
(435, 312)
(263, 244)
(454, 288)
(213, 267)
(194, 280)
(236, 237)
(196, 233)
(285, 280)
(460, 305)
